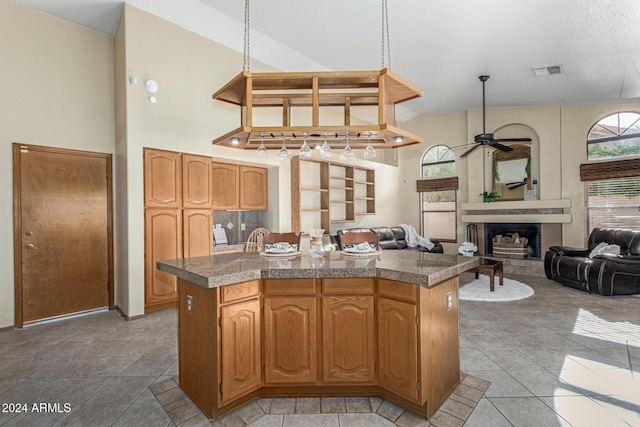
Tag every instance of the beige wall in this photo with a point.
(56, 90)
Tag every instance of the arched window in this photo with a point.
(614, 136)
(438, 161)
(613, 174)
(438, 194)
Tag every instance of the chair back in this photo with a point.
(357, 237)
(292, 238)
(255, 241)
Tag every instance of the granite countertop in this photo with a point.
(417, 267)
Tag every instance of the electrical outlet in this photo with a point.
(449, 300)
(189, 303)
(243, 226)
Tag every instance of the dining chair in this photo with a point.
(255, 241)
(292, 238)
(357, 237)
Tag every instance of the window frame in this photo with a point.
(618, 133)
(607, 172)
(443, 155)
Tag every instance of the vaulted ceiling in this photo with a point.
(439, 45)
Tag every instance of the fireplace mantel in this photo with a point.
(521, 211)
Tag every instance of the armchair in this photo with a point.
(605, 274)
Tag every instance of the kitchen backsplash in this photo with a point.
(231, 222)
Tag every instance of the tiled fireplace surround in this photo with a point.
(550, 232)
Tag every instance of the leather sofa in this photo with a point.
(388, 238)
(605, 274)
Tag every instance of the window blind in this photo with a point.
(614, 202)
(437, 184)
(609, 170)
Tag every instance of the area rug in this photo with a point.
(478, 290)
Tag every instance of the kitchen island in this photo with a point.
(252, 326)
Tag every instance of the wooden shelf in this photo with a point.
(357, 193)
(314, 210)
(314, 189)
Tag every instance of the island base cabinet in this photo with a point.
(197, 338)
(290, 344)
(397, 348)
(348, 344)
(240, 345)
(310, 337)
(418, 345)
(219, 328)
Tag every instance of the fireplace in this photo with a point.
(530, 231)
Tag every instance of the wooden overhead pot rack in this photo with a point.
(342, 89)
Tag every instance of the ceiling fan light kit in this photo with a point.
(334, 90)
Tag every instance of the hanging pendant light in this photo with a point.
(305, 150)
(283, 154)
(325, 149)
(262, 150)
(347, 154)
(369, 152)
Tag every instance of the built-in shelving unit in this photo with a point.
(325, 192)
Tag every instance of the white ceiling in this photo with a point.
(441, 46)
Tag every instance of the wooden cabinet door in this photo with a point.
(162, 176)
(348, 339)
(225, 186)
(163, 240)
(196, 181)
(253, 188)
(397, 348)
(197, 232)
(240, 350)
(290, 348)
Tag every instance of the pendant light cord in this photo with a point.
(246, 65)
(385, 35)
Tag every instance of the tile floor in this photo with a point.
(562, 357)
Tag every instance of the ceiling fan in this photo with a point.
(518, 184)
(487, 139)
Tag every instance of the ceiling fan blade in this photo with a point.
(522, 184)
(462, 147)
(500, 146)
(513, 140)
(469, 151)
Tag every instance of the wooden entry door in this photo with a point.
(63, 242)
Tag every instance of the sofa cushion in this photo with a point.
(386, 239)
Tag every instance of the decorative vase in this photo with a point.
(316, 247)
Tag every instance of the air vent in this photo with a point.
(547, 71)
